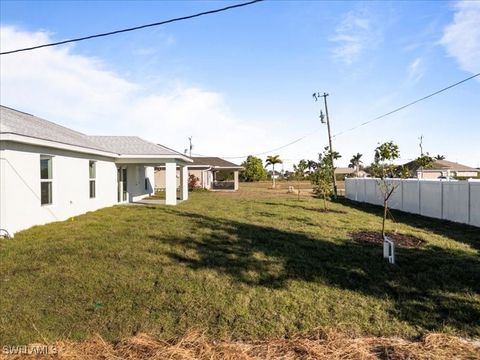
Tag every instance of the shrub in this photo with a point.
(193, 182)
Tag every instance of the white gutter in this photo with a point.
(81, 149)
(149, 156)
(54, 144)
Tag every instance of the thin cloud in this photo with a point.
(353, 36)
(416, 70)
(461, 38)
(82, 93)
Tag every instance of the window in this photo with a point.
(146, 179)
(92, 171)
(46, 177)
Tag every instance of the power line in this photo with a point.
(134, 28)
(408, 105)
(362, 124)
(268, 151)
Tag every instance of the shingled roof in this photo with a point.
(19, 123)
(132, 145)
(441, 165)
(215, 162)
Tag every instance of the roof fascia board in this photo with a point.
(53, 144)
(146, 156)
(80, 149)
(448, 169)
(155, 160)
(227, 167)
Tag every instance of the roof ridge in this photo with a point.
(178, 152)
(23, 112)
(28, 125)
(42, 119)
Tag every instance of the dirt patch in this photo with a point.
(318, 345)
(375, 237)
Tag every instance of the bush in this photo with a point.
(253, 169)
(193, 182)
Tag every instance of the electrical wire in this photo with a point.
(407, 105)
(360, 125)
(268, 151)
(133, 28)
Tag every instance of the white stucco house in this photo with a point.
(51, 173)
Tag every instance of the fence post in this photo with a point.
(441, 199)
(401, 193)
(469, 202)
(419, 197)
(364, 190)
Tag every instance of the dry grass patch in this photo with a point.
(317, 345)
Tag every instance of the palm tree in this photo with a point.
(272, 160)
(440, 157)
(355, 162)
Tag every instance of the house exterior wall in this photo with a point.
(429, 174)
(20, 206)
(435, 174)
(466, 173)
(160, 179)
(205, 178)
(136, 187)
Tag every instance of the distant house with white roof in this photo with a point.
(49, 172)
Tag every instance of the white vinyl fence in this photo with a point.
(457, 201)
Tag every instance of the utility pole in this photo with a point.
(316, 96)
(421, 144)
(191, 145)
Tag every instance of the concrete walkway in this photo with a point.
(153, 202)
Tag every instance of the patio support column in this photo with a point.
(235, 180)
(171, 183)
(183, 182)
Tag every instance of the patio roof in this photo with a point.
(213, 162)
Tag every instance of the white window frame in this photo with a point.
(48, 180)
(145, 178)
(94, 179)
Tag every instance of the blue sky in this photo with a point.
(241, 82)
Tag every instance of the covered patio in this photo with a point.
(205, 172)
(215, 173)
(136, 179)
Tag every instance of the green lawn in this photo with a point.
(248, 265)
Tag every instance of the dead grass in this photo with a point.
(318, 344)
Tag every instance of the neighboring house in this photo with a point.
(348, 172)
(278, 175)
(442, 168)
(49, 172)
(212, 173)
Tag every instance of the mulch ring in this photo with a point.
(375, 237)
